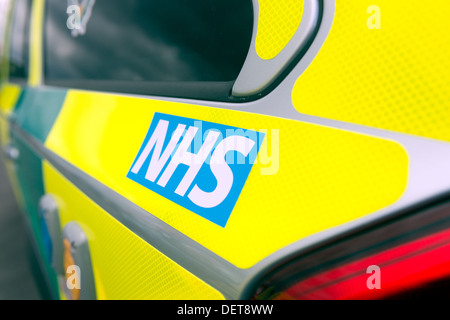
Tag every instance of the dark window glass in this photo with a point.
(19, 45)
(168, 47)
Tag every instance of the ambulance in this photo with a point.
(231, 149)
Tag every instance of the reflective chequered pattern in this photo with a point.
(395, 78)
(277, 23)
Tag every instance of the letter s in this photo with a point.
(221, 171)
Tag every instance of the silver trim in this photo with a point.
(258, 73)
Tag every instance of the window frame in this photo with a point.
(218, 91)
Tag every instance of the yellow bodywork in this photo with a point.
(320, 179)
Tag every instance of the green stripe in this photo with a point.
(37, 109)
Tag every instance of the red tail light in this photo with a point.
(409, 254)
(401, 268)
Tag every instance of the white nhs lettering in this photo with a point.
(218, 164)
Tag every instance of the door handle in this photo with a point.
(11, 153)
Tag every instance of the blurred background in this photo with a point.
(16, 260)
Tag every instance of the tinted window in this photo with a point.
(148, 45)
(19, 47)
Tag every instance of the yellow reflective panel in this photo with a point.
(37, 23)
(125, 266)
(320, 178)
(9, 93)
(396, 77)
(277, 23)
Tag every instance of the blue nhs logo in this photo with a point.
(202, 166)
